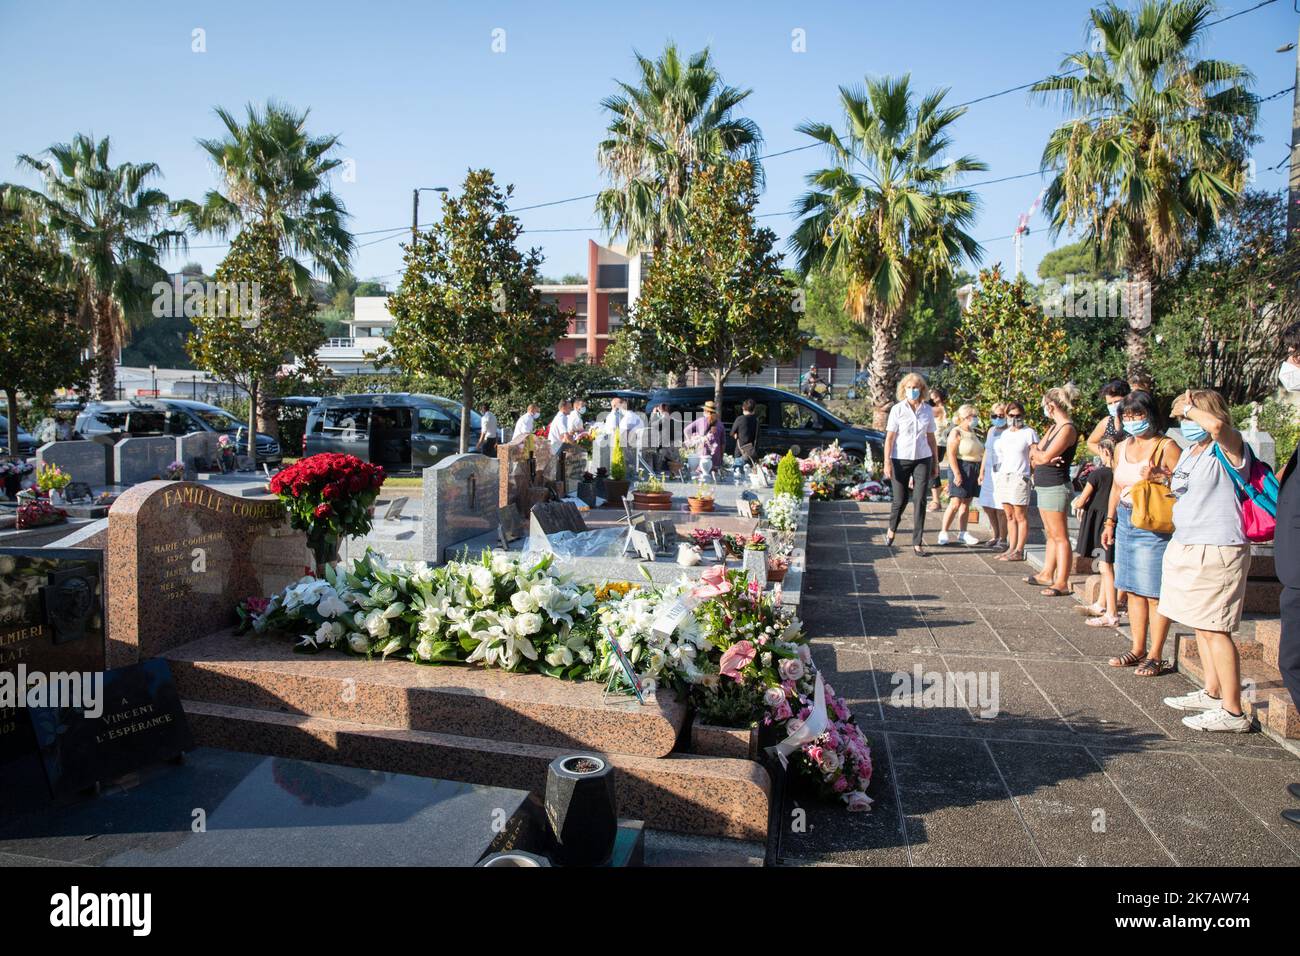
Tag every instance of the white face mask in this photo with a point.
(1289, 376)
(1112, 408)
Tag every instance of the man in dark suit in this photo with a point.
(1286, 551)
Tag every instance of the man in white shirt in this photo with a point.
(622, 422)
(489, 431)
(558, 431)
(576, 424)
(911, 457)
(527, 422)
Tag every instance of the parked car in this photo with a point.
(26, 443)
(785, 418)
(399, 430)
(171, 416)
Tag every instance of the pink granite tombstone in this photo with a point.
(182, 555)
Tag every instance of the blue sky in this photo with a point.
(418, 95)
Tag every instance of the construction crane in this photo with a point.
(1022, 229)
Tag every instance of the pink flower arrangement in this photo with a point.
(735, 659)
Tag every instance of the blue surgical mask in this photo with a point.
(913, 393)
(1137, 428)
(999, 422)
(1112, 409)
(1193, 432)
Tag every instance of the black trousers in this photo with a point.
(919, 473)
(1288, 652)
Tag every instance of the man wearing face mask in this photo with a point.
(1286, 552)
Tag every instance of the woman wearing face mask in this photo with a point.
(911, 457)
(965, 458)
(939, 407)
(1144, 454)
(1051, 459)
(1112, 393)
(1012, 479)
(1207, 560)
(989, 502)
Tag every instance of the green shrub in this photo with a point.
(617, 464)
(789, 481)
(1279, 419)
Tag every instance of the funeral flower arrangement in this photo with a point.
(740, 657)
(329, 496)
(782, 512)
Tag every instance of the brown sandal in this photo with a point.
(1150, 668)
(1128, 660)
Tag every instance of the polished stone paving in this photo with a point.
(1078, 764)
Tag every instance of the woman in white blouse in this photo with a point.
(911, 456)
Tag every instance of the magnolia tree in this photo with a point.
(716, 298)
(467, 308)
(255, 322)
(1007, 348)
(41, 348)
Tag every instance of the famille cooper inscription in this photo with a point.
(182, 555)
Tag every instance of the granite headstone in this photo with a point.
(181, 556)
(83, 460)
(142, 459)
(199, 452)
(460, 502)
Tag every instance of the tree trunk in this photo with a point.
(253, 392)
(1142, 277)
(719, 379)
(268, 422)
(105, 349)
(466, 405)
(11, 440)
(884, 366)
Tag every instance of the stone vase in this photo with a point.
(755, 565)
(581, 809)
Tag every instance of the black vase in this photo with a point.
(581, 809)
(13, 484)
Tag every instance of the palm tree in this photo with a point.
(112, 228)
(886, 216)
(274, 172)
(678, 119)
(1156, 150)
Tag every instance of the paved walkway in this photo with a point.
(1082, 764)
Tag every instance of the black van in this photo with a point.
(399, 430)
(785, 419)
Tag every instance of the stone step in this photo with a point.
(1248, 648)
(1269, 634)
(263, 672)
(1262, 595)
(713, 796)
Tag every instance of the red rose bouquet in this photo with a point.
(329, 496)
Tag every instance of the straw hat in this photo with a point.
(710, 407)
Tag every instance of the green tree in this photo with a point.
(1077, 260)
(716, 298)
(825, 320)
(680, 119)
(275, 174)
(1007, 348)
(466, 308)
(1156, 150)
(257, 322)
(42, 348)
(887, 214)
(112, 226)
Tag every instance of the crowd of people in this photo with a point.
(1163, 518)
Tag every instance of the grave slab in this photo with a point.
(142, 459)
(460, 503)
(83, 460)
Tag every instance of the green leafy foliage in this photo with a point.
(617, 460)
(789, 480)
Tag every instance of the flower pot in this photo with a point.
(56, 497)
(653, 500)
(615, 492)
(755, 565)
(581, 810)
(700, 505)
(776, 575)
(514, 858)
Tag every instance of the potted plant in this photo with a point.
(52, 479)
(650, 495)
(616, 484)
(175, 471)
(733, 546)
(777, 566)
(755, 559)
(329, 496)
(702, 500)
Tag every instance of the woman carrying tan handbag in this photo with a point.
(1144, 460)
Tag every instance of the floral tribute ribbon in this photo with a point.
(802, 732)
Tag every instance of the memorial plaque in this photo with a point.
(394, 512)
(78, 491)
(182, 555)
(51, 623)
(512, 525)
(460, 502)
(587, 493)
(665, 533)
(641, 543)
(139, 722)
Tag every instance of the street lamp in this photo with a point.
(153, 381)
(415, 205)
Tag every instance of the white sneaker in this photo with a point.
(942, 539)
(1218, 720)
(1196, 700)
(969, 539)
